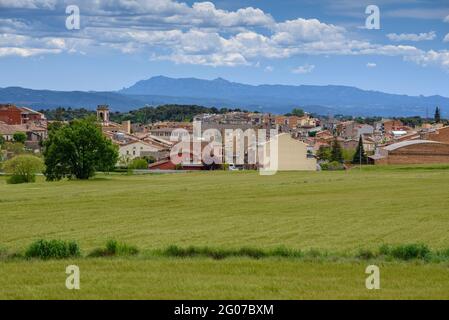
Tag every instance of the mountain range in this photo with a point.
(220, 93)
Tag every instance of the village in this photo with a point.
(305, 143)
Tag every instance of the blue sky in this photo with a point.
(277, 42)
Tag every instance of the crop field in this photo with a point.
(335, 212)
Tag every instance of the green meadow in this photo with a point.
(335, 212)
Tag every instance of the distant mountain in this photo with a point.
(281, 98)
(222, 93)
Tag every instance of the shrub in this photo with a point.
(15, 179)
(115, 248)
(406, 252)
(23, 168)
(138, 163)
(52, 249)
(19, 137)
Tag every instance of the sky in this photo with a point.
(327, 42)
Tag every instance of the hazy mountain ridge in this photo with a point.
(222, 93)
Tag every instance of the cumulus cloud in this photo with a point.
(195, 34)
(446, 38)
(307, 68)
(425, 36)
(371, 65)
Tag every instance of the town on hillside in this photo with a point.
(309, 142)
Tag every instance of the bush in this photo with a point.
(115, 248)
(406, 252)
(15, 179)
(332, 166)
(138, 163)
(52, 249)
(19, 137)
(23, 168)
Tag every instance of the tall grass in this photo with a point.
(221, 253)
(58, 249)
(53, 249)
(115, 248)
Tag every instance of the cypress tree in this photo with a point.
(437, 115)
(360, 156)
(336, 151)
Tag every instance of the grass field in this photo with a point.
(336, 211)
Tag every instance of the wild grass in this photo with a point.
(115, 248)
(52, 249)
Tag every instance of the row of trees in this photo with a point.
(335, 153)
(148, 114)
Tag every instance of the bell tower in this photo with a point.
(103, 114)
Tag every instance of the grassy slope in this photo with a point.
(339, 211)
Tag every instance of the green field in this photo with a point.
(340, 212)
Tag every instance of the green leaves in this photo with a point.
(78, 149)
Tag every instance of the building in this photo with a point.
(292, 154)
(13, 115)
(412, 152)
(10, 114)
(440, 135)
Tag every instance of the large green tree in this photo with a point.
(336, 151)
(77, 149)
(360, 155)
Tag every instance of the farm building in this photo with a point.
(413, 152)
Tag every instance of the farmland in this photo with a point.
(338, 212)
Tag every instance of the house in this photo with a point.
(35, 134)
(13, 115)
(292, 154)
(412, 152)
(130, 147)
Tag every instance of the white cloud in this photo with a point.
(269, 69)
(28, 4)
(446, 38)
(446, 19)
(425, 36)
(307, 68)
(306, 30)
(431, 57)
(371, 65)
(197, 34)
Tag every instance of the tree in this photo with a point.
(360, 155)
(19, 137)
(336, 152)
(296, 112)
(77, 149)
(23, 168)
(437, 115)
(2, 141)
(324, 153)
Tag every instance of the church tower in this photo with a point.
(103, 114)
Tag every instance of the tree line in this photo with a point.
(147, 114)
